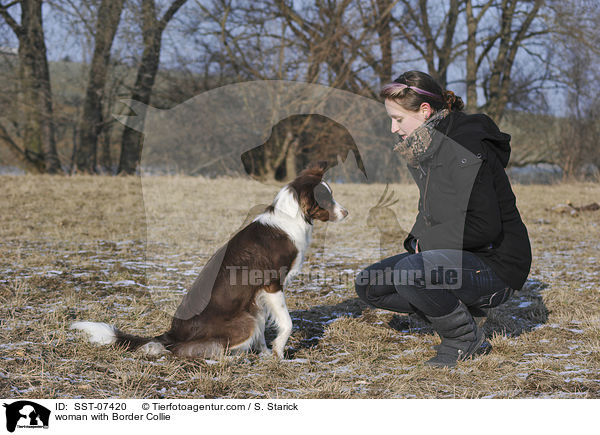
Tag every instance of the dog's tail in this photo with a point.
(103, 333)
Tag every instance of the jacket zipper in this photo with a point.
(425, 208)
(427, 216)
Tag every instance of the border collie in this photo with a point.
(241, 286)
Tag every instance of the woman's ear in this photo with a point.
(426, 110)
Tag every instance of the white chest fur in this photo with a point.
(297, 263)
(288, 217)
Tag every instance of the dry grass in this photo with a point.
(79, 248)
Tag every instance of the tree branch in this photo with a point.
(4, 135)
(291, 15)
(17, 151)
(175, 6)
(9, 19)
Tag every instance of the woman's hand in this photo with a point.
(417, 250)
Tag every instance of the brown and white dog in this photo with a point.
(241, 286)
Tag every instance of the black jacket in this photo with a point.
(466, 201)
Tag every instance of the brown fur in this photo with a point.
(230, 317)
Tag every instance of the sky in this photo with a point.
(66, 42)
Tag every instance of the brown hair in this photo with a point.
(414, 88)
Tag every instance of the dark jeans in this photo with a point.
(431, 283)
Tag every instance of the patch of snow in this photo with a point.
(190, 273)
(10, 346)
(343, 369)
(576, 331)
(54, 272)
(561, 395)
(126, 282)
(572, 372)
(297, 360)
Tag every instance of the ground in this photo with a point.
(89, 248)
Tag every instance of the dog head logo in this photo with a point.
(26, 414)
(226, 130)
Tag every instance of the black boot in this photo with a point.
(461, 337)
(480, 317)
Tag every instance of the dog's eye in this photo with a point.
(322, 196)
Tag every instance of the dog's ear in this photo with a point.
(317, 168)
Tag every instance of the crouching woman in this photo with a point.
(468, 248)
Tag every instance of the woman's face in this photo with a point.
(405, 122)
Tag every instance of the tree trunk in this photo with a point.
(471, 78)
(501, 75)
(384, 32)
(291, 144)
(91, 122)
(445, 53)
(105, 155)
(152, 29)
(36, 94)
(131, 145)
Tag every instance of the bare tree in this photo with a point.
(345, 44)
(153, 27)
(515, 28)
(577, 41)
(472, 63)
(383, 25)
(38, 147)
(433, 40)
(339, 41)
(496, 32)
(579, 129)
(92, 120)
(532, 28)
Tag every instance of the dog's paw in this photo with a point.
(153, 349)
(278, 353)
(266, 354)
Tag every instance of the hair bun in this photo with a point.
(453, 101)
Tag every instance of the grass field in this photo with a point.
(82, 248)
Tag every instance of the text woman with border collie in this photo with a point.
(468, 248)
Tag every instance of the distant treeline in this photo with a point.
(532, 65)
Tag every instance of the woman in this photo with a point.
(468, 247)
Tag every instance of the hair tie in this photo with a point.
(394, 87)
